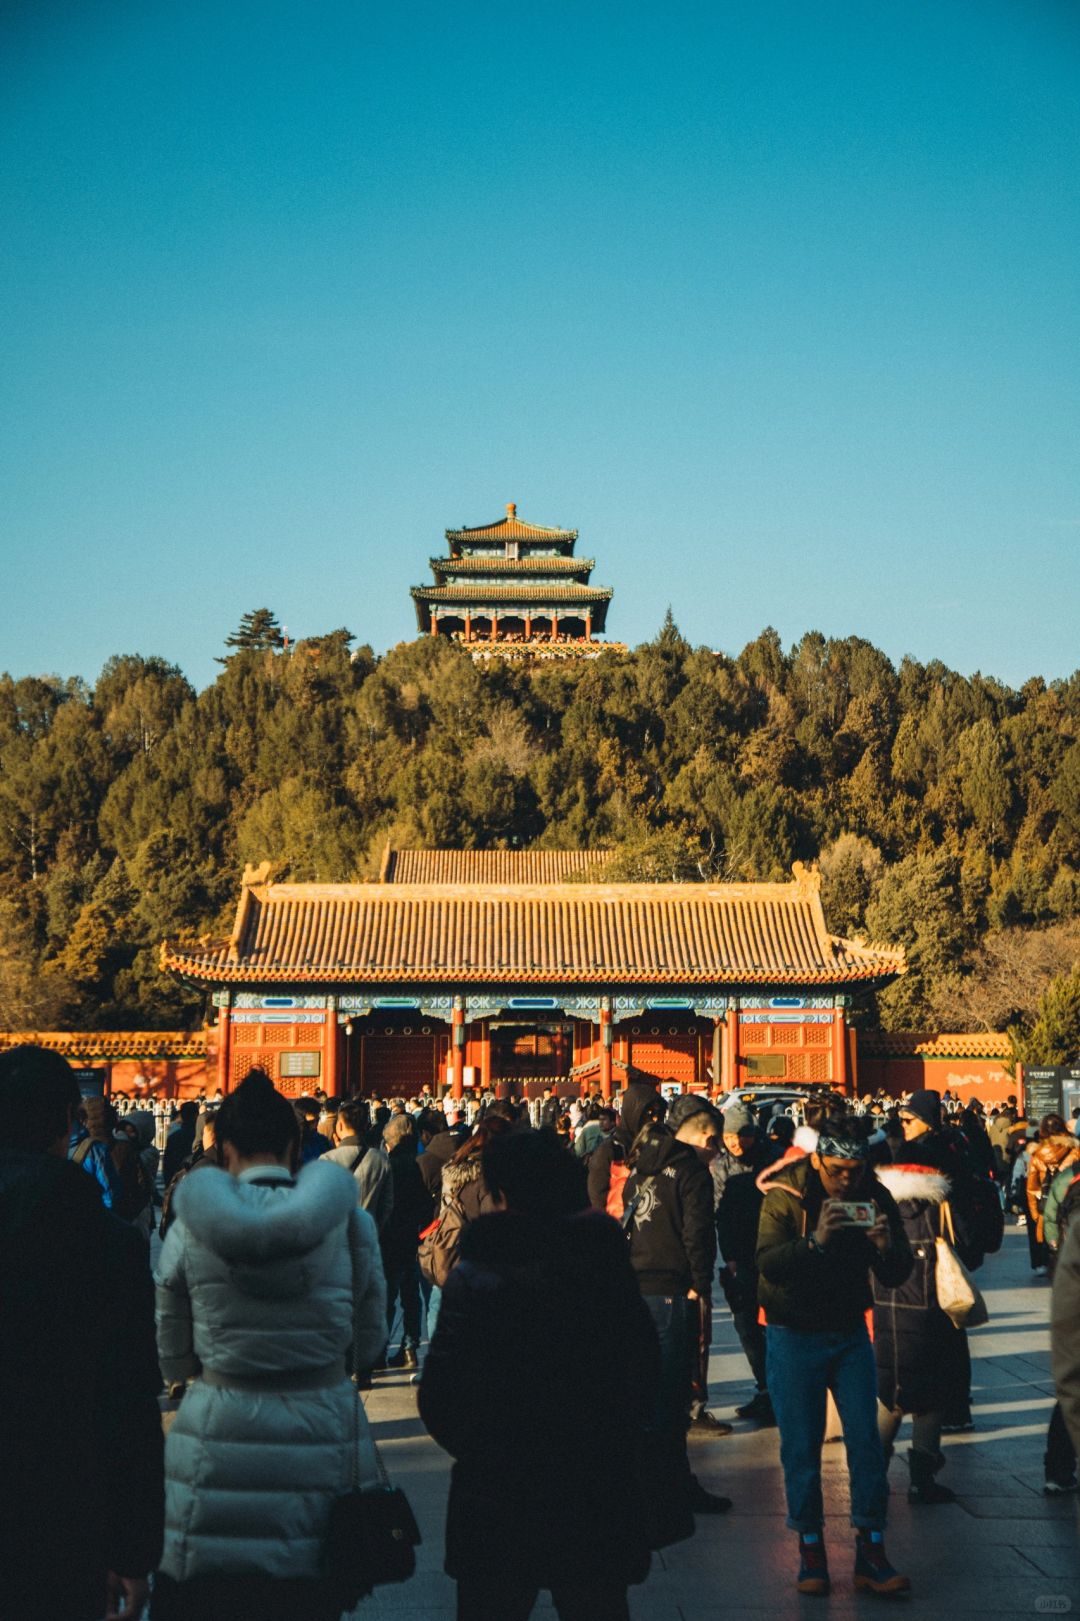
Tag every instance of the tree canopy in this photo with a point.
(944, 810)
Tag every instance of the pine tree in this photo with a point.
(258, 631)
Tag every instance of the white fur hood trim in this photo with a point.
(457, 1177)
(252, 1225)
(914, 1182)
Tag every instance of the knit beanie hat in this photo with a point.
(685, 1106)
(739, 1117)
(925, 1106)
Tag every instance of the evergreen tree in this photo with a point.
(258, 631)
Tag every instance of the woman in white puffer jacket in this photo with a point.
(256, 1295)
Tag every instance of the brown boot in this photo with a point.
(873, 1573)
(813, 1567)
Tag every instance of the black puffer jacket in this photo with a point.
(921, 1358)
(412, 1208)
(82, 1446)
(738, 1211)
(638, 1098)
(551, 1313)
(672, 1237)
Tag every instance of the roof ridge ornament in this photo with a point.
(806, 878)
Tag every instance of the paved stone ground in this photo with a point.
(1002, 1550)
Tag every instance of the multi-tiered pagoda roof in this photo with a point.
(513, 584)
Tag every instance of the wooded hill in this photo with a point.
(944, 811)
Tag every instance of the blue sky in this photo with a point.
(777, 303)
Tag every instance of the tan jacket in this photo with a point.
(1065, 1331)
(1046, 1160)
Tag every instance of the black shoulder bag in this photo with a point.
(372, 1532)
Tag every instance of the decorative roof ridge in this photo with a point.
(860, 946)
(564, 564)
(511, 519)
(790, 891)
(948, 1044)
(605, 591)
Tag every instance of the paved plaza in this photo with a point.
(1001, 1549)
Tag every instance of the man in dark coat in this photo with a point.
(669, 1213)
(441, 1143)
(640, 1102)
(82, 1503)
(544, 1491)
(735, 1171)
(411, 1212)
(180, 1141)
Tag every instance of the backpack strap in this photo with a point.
(947, 1222)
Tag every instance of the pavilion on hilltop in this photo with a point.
(513, 970)
(512, 587)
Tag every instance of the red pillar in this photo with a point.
(494, 626)
(485, 1056)
(528, 627)
(731, 1050)
(840, 1063)
(606, 1037)
(468, 626)
(457, 1048)
(434, 623)
(224, 1054)
(330, 1079)
(554, 627)
(588, 625)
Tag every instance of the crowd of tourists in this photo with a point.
(513, 1243)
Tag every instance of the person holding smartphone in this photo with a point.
(815, 1257)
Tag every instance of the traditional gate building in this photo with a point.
(510, 974)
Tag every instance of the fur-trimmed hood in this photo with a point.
(266, 1232)
(457, 1177)
(914, 1182)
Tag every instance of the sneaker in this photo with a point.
(813, 1568)
(1038, 1272)
(759, 1411)
(706, 1424)
(703, 1502)
(873, 1573)
(1021, 1221)
(1059, 1488)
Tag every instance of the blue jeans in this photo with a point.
(801, 1369)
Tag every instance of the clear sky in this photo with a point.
(778, 303)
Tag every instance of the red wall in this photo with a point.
(988, 1079)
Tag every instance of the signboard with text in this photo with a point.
(1054, 1089)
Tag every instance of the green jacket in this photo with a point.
(826, 1292)
(1051, 1214)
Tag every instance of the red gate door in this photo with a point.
(398, 1066)
(667, 1057)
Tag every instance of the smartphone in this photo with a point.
(858, 1212)
(91, 1083)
